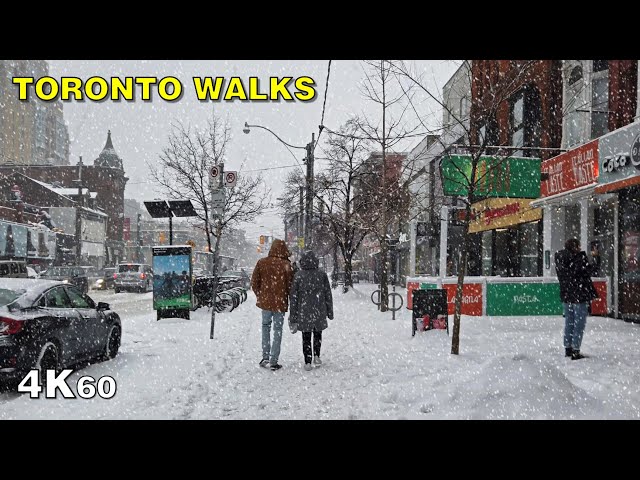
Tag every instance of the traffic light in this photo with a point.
(261, 239)
(162, 237)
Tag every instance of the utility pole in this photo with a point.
(216, 184)
(308, 240)
(301, 221)
(138, 239)
(79, 215)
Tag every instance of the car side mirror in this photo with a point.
(102, 306)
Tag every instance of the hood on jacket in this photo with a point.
(309, 261)
(279, 249)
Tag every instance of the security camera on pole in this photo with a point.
(218, 181)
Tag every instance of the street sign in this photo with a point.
(230, 179)
(301, 242)
(217, 198)
(214, 172)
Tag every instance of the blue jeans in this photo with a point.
(575, 319)
(271, 350)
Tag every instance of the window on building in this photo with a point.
(526, 121)
(600, 98)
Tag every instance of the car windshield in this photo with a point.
(7, 296)
(129, 268)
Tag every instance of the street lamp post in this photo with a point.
(309, 159)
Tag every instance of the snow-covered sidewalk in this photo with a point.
(508, 368)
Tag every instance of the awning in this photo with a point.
(613, 186)
(566, 197)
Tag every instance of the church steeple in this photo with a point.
(108, 157)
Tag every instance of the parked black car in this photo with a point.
(70, 275)
(51, 325)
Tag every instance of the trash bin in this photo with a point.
(429, 310)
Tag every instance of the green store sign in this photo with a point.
(511, 299)
(509, 177)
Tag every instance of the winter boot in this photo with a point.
(576, 355)
(264, 363)
(308, 366)
(568, 352)
(275, 367)
(317, 360)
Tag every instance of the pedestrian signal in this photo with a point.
(261, 239)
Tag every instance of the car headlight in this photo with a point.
(65, 281)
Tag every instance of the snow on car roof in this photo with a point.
(31, 287)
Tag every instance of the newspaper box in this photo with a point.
(429, 310)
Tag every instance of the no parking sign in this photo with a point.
(230, 179)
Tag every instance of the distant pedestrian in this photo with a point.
(295, 268)
(271, 282)
(576, 292)
(310, 304)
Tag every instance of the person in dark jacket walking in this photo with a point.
(310, 304)
(271, 282)
(576, 292)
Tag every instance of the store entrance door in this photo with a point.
(604, 239)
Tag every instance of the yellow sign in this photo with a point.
(502, 212)
(301, 242)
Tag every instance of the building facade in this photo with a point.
(32, 132)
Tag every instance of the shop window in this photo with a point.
(529, 254)
(572, 222)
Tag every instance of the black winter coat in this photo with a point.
(574, 273)
(310, 300)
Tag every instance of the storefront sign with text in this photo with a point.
(570, 170)
(502, 212)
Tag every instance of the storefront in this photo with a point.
(619, 179)
(573, 209)
(511, 236)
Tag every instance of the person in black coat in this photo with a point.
(310, 304)
(576, 292)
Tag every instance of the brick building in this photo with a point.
(106, 177)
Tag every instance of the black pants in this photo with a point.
(306, 344)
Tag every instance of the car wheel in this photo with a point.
(113, 343)
(47, 360)
(116, 290)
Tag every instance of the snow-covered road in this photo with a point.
(373, 369)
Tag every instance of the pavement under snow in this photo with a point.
(508, 368)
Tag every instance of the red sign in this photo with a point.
(471, 298)
(599, 305)
(570, 170)
(411, 286)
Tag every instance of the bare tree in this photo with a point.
(381, 87)
(473, 176)
(336, 192)
(183, 173)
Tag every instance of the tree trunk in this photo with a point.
(348, 269)
(384, 276)
(462, 268)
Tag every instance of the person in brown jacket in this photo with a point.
(271, 282)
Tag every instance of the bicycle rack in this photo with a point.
(391, 298)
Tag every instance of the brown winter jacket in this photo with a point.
(272, 277)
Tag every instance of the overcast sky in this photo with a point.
(139, 130)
